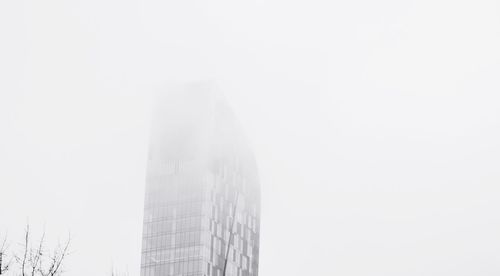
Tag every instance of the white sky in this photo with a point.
(376, 125)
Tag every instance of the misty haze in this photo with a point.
(223, 138)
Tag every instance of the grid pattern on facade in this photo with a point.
(191, 218)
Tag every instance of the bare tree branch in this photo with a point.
(59, 257)
(4, 266)
(116, 272)
(34, 259)
(26, 245)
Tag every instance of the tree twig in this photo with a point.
(26, 244)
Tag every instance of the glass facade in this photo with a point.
(202, 205)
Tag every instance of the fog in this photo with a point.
(375, 126)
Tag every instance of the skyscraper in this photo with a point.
(202, 203)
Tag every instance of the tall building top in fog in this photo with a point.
(202, 205)
(194, 121)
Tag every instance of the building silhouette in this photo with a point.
(202, 202)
